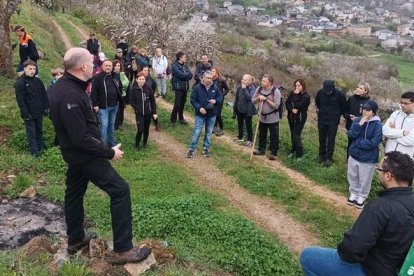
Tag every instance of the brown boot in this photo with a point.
(133, 255)
(158, 128)
(72, 249)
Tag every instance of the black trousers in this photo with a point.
(242, 119)
(327, 135)
(100, 172)
(295, 137)
(143, 125)
(179, 103)
(274, 137)
(34, 133)
(120, 114)
(219, 119)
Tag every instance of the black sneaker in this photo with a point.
(190, 153)
(272, 157)
(258, 152)
(207, 152)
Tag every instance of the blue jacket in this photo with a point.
(365, 140)
(200, 97)
(180, 76)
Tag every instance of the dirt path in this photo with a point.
(62, 34)
(262, 211)
(333, 198)
(82, 33)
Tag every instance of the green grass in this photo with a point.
(405, 70)
(305, 207)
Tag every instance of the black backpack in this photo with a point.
(281, 108)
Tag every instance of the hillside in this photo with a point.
(224, 215)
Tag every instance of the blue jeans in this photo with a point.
(198, 126)
(326, 261)
(107, 118)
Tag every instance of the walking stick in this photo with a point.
(257, 128)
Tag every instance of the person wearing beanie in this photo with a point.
(353, 107)
(330, 103)
(366, 136)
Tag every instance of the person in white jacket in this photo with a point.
(160, 65)
(399, 128)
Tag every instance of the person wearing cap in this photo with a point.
(366, 136)
(27, 49)
(399, 128)
(119, 55)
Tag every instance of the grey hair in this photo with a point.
(208, 72)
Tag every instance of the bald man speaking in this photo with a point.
(87, 158)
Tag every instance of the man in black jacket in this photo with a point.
(181, 75)
(92, 44)
(87, 158)
(330, 104)
(32, 100)
(105, 95)
(204, 65)
(379, 241)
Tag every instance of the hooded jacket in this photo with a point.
(200, 97)
(365, 140)
(354, 107)
(31, 97)
(246, 94)
(142, 100)
(330, 103)
(299, 101)
(383, 233)
(395, 136)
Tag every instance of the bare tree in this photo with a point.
(7, 8)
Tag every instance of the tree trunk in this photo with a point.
(6, 64)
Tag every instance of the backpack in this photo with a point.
(281, 108)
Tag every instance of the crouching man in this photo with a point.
(378, 242)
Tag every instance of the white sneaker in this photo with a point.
(360, 202)
(352, 199)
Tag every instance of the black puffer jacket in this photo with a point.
(180, 76)
(31, 97)
(382, 234)
(299, 101)
(142, 99)
(330, 103)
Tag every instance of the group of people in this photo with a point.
(86, 144)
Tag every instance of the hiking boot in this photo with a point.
(258, 152)
(248, 144)
(206, 152)
(158, 128)
(238, 140)
(183, 122)
(190, 153)
(352, 199)
(133, 255)
(219, 132)
(215, 129)
(272, 157)
(360, 202)
(72, 249)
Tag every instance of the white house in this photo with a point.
(226, 4)
(383, 34)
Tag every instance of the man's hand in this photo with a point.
(392, 124)
(243, 86)
(262, 98)
(96, 109)
(155, 116)
(203, 111)
(118, 153)
(213, 101)
(352, 117)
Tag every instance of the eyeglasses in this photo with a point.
(380, 169)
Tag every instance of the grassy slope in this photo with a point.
(405, 70)
(166, 203)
